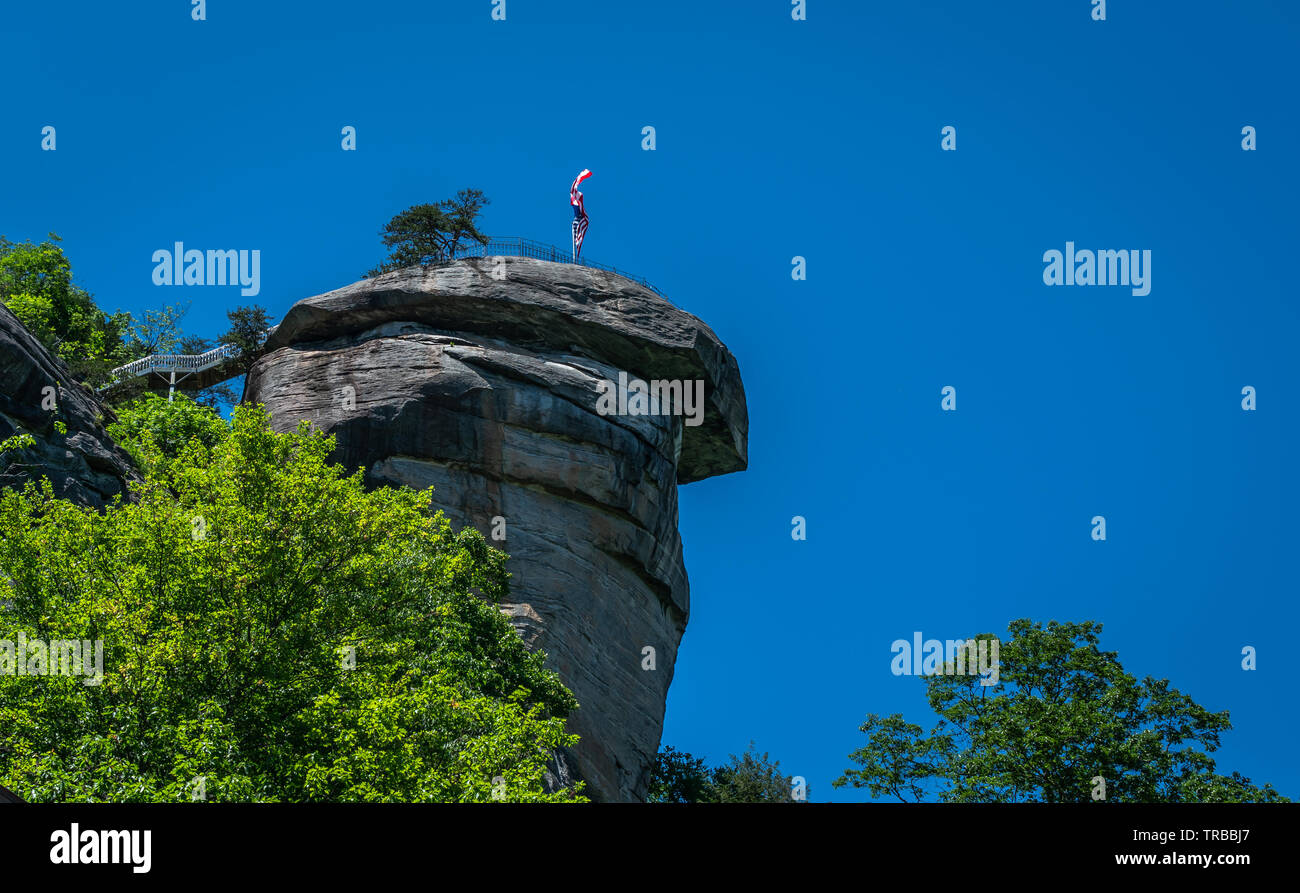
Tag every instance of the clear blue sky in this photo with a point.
(822, 139)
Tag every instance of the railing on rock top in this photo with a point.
(518, 247)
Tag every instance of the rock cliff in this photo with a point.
(36, 392)
(483, 378)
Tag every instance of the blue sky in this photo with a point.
(778, 138)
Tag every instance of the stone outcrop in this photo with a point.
(481, 378)
(37, 392)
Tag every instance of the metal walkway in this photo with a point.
(170, 365)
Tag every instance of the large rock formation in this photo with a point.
(482, 379)
(37, 393)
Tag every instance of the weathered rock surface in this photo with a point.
(486, 388)
(83, 465)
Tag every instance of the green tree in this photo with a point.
(425, 234)
(678, 777)
(36, 284)
(271, 632)
(1061, 713)
(752, 778)
(158, 332)
(153, 427)
(247, 332)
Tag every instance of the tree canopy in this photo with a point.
(36, 284)
(1062, 714)
(270, 631)
(424, 234)
(678, 777)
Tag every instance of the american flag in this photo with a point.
(579, 214)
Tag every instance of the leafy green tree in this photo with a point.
(678, 777)
(36, 284)
(271, 632)
(153, 427)
(1061, 713)
(752, 778)
(424, 234)
(247, 332)
(158, 332)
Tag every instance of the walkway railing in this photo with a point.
(172, 363)
(509, 246)
(177, 362)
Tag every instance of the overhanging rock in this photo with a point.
(481, 378)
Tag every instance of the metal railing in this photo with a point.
(177, 362)
(510, 246)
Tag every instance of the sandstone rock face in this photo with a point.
(482, 378)
(84, 465)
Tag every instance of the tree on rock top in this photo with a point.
(424, 234)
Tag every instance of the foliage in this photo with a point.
(678, 777)
(1061, 713)
(17, 443)
(158, 332)
(248, 328)
(752, 778)
(36, 284)
(423, 234)
(271, 632)
(169, 426)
